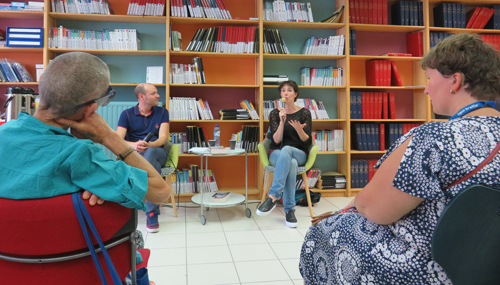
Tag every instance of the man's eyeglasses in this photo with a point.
(103, 101)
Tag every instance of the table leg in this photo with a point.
(203, 220)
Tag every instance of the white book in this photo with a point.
(341, 45)
(309, 12)
(154, 74)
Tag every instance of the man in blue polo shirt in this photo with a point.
(135, 124)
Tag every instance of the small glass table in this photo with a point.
(234, 198)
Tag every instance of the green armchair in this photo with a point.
(170, 166)
(264, 159)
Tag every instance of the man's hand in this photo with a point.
(93, 198)
(92, 127)
(141, 146)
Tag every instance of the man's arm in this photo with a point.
(162, 136)
(139, 146)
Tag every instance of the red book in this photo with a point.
(370, 73)
(372, 12)
(378, 72)
(479, 18)
(392, 106)
(351, 12)
(414, 44)
(387, 72)
(406, 128)
(364, 105)
(472, 16)
(364, 12)
(371, 105)
(396, 79)
(385, 106)
(384, 12)
(382, 136)
(380, 14)
(355, 15)
(486, 17)
(379, 105)
(396, 54)
(371, 169)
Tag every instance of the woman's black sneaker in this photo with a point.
(290, 219)
(265, 208)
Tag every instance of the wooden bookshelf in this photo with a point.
(303, 56)
(213, 22)
(302, 25)
(19, 50)
(108, 18)
(385, 28)
(112, 52)
(21, 14)
(212, 54)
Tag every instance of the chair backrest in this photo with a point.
(173, 155)
(466, 241)
(48, 228)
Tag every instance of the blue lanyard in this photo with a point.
(472, 107)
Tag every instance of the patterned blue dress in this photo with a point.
(350, 249)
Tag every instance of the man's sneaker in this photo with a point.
(152, 225)
(290, 219)
(265, 208)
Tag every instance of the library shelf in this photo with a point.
(326, 191)
(304, 56)
(368, 151)
(476, 2)
(21, 15)
(195, 155)
(303, 25)
(251, 191)
(319, 121)
(389, 120)
(393, 58)
(112, 52)
(18, 83)
(20, 49)
(332, 152)
(309, 87)
(109, 18)
(215, 22)
(212, 54)
(215, 121)
(216, 85)
(385, 28)
(439, 120)
(456, 30)
(135, 84)
(390, 87)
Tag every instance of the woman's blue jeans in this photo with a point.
(286, 162)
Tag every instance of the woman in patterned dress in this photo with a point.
(388, 241)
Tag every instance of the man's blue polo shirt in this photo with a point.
(138, 126)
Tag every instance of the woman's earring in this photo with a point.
(453, 92)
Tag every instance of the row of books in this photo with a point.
(352, 42)
(481, 17)
(273, 42)
(436, 37)
(382, 73)
(119, 39)
(372, 105)
(375, 137)
(279, 10)
(333, 45)
(407, 13)
(247, 139)
(234, 114)
(226, 39)
(190, 181)
(329, 140)
(493, 40)
(12, 71)
(362, 172)
(187, 73)
(332, 180)
(146, 7)
(368, 12)
(21, 6)
(317, 108)
(214, 9)
(312, 179)
(180, 138)
(189, 108)
(327, 76)
(81, 6)
(24, 37)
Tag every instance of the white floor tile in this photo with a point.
(209, 227)
(170, 228)
(339, 202)
(298, 282)
(270, 283)
(302, 231)
(322, 210)
(261, 271)
(208, 254)
(271, 224)
(239, 225)
(251, 252)
(166, 257)
(154, 241)
(212, 274)
(286, 250)
(292, 267)
(284, 235)
(245, 237)
(194, 215)
(164, 275)
(233, 213)
(206, 239)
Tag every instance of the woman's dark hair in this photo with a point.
(478, 62)
(292, 84)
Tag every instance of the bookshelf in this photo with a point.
(232, 77)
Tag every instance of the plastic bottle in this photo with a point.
(217, 135)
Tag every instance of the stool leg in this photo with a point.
(308, 195)
(269, 181)
(168, 180)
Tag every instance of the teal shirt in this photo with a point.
(39, 161)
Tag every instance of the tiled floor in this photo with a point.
(230, 248)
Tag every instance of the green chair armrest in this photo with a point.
(311, 157)
(263, 155)
(173, 156)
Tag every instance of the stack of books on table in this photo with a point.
(214, 9)
(81, 6)
(24, 37)
(189, 108)
(333, 180)
(11, 71)
(234, 114)
(146, 7)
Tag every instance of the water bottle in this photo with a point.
(217, 135)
